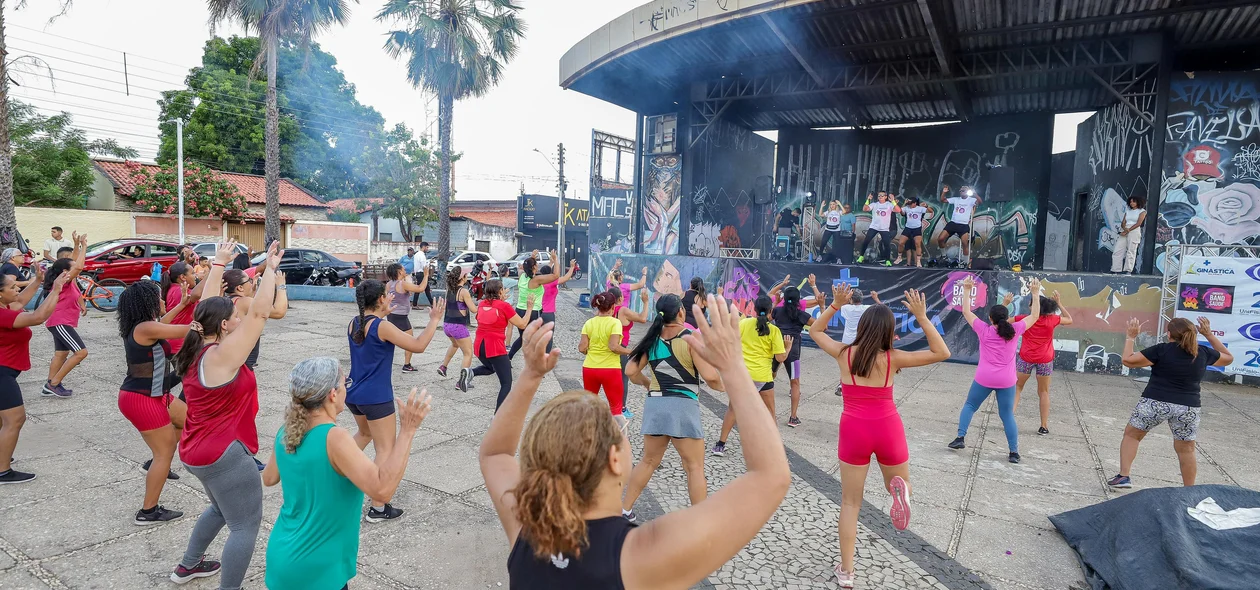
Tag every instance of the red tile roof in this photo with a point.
(501, 217)
(350, 204)
(251, 186)
(250, 216)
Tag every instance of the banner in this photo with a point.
(536, 212)
(1227, 292)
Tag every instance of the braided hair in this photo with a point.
(367, 295)
(310, 382)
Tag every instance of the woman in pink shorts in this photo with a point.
(870, 424)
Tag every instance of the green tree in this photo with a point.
(404, 172)
(297, 21)
(52, 160)
(455, 49)
(323, 127)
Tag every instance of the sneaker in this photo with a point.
(626, 413)
(442, 370)
(1013, 457)
(1120, 481)
(468, 381)
(169, 474)
(900, 511)
(408, 369)
(1042, 431)
(898, 260)
(387, 512)
(159, 515)
(958, 443)
(861, 260)
(794, 421)
(462, 384)
(843, 578)
(14, 476)
(629, 515)
(58, 390)
(887, 263)
(260, 464)
(204, 569)
(719, 449)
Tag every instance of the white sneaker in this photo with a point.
(845, 579)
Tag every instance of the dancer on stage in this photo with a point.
(882, 211)
(832, 231)
(662, 362)
(1172, 394)
(1036, 352)
(370, 392)
(560, 504)
(315, 541)
(869, 423)
(531, 286)
(995, 372)
(1124, 253)
(494, 315)
(240, 288)
(15, 357)
(762, 344)
(401, 288)
(601, 343)
(962, 208)
(69, 349)
(459, 302)
(911, 237)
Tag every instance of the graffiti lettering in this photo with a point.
(671, 9)
(1247, 162)
(612, 204)
(1235, 124)
(1211, 94)
(1121, 140)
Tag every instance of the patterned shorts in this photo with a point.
(1183, 421)
(1026, 368)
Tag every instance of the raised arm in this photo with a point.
(31, 287)
(214, 278)
(774, 291)
(78, 256)
(41, 314)
(549, 277)
(280, 305)
(568, 275)
(418, 343)
(1131, 359)
(221, 362)
(818, 329)
(497, 457)
(642, 281)
(1065, 318)
(185, 299)
(969, 288)
(407, 286)
(937, 349)
(681, 548)
(631, 315)
(1205, 330)
(378, 479)
(1034, 303)
(945, 194)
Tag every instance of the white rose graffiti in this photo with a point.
(1230, 214)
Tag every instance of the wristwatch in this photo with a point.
(282, 287)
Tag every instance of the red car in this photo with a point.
(128, 260)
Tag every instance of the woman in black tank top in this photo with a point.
(561, 504)
(693, 296)
(240, 288)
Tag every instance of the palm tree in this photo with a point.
(455, 49)
(8, 215)
(274, 20)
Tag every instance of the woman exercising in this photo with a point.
(400, 289)
(530, 288)
(69, 349)
(455, 325)
(762, 344)
(601, 343)
(240, 288)
(494, 315)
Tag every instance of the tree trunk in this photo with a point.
(446, 104)
(271, 167)
(8, 216)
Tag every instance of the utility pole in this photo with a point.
(561, 185)
(179, 172)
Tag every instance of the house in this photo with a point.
(114, 186)
(486, 226)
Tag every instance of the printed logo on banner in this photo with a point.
(1250, 331)
(1206, 298)
(1254, 272)
(1251, 361)
(1252, 308)
(1205, 268)
(845, 279)
(952, 291)
(1210, 367)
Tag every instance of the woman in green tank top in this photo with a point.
(531, 285)
(315, 542)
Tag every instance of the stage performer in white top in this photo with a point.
(962, 208)
(881, 224)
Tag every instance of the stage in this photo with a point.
(1099, 304)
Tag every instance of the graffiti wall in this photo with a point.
(1113, 150)
(609, 228)
(1099, 305)
(1211, 186)
(662, 204)
(728, 161)
(1057, 214)
(817, 167)
(665, 274)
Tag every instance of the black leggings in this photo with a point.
(885, 243)
(495, 365)
(832, 237)
(520, 334)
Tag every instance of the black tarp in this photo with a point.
(1146, 540)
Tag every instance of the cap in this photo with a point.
(1202, 161)
(411, 249)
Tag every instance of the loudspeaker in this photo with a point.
(1001, 183)
(763, 190)
(982, 263)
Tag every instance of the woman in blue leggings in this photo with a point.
(996, 371)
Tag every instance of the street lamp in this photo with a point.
(560, 251)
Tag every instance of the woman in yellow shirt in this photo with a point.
(601, 343)
(762, 343)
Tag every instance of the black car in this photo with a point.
(297, 264)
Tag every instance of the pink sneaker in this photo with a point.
(900, 511)
(845, 579)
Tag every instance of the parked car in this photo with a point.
(297, 264)
(208, 249)
(512, 266)
(128, 260)
(467, 258)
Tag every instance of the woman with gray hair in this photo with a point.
(315, 541)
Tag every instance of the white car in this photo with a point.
(468, 258)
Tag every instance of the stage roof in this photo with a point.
(772, 64)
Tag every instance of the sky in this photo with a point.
(497, 134)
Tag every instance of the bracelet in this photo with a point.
(834, 308)
(218, 264)
(282, 287)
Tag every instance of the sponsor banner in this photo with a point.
(1227, 292)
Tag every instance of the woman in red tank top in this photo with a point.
(628, 317)
(869, 423)
(220, 436)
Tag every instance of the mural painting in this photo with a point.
(818, 167)
(1058, 213)
(666, 275)
(1211, 186)
(1114, 147)
(730, 161)
(662, 204)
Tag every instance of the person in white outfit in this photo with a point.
(1125, 254)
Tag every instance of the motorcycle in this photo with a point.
(577, 270)
(477, 278)
(331, 277)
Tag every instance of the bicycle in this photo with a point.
(103, 294)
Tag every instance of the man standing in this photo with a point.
(419, 274)
(55, 243)
(961, 209)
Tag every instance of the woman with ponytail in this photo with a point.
(68, 347)
(560, 504)
(792, 321)
(995, 372)
(530, 287)
(370, 389)
(240, 288)
(459, 303)
(315, 541)
(763, 344)
(400, 289)
(695, 295)
(494, 315)
(601, 343)
(662, 362)
(628, 318)
(1172, 393)
(179, 281)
